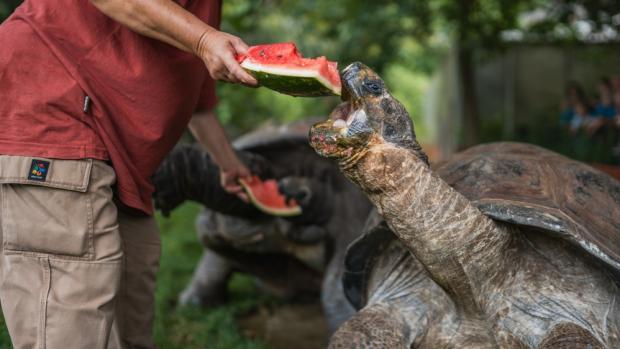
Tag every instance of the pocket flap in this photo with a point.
(63, 174)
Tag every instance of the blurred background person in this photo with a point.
(604, 111)
(576, 108)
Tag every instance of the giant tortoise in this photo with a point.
(507, 245)
(291, 257)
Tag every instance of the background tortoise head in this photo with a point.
(370, 115)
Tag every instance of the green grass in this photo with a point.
(189, 328)
(5, 341)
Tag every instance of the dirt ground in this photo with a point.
(299, 326)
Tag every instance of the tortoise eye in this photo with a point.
(373, 86)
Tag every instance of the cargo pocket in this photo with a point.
(50, 214)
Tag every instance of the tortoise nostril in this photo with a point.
(296, 189)
(303, 195)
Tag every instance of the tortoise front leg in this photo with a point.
(336, 307)
(386, 325)
(570, 336)
(208, 286)
(377, 326)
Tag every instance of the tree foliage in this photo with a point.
(482, 24)
(562, 17)
(7, 7)
(376, 33)
(346, 31)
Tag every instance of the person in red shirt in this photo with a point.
(93, 95)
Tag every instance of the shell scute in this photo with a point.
(528, 185)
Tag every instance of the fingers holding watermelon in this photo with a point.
(240, 47)
(230, 181)
(235, 72)
(218, 50)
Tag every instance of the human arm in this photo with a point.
(207, 129)
(167, 21)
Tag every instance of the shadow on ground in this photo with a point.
(299, 326)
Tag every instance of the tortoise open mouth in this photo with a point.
(338, 135)
(326, 138)
(342, 115)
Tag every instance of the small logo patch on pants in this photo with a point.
(38, 170)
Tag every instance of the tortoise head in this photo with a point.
(370, 115)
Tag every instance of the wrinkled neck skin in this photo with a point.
(457, 244)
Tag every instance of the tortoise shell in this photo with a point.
(272, 135)
(280, 143)
(527, 185)
(522, 184)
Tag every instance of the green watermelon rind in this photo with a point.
(280, 212)
(293, 82)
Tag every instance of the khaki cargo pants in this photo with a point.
(74, 271)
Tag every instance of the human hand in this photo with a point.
(218, 50)
(229, 179)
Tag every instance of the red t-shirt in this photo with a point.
(54, 53)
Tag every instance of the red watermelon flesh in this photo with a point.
(282, 68)
(266, 196)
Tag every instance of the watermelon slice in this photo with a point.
(281, 67)
(267, 198)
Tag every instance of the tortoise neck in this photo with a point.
(450, 236)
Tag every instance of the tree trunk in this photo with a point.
(468, 96)
(466, 73)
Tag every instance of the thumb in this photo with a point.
(244, 172)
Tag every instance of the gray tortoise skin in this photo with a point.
(506, 246)
(296, 257)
